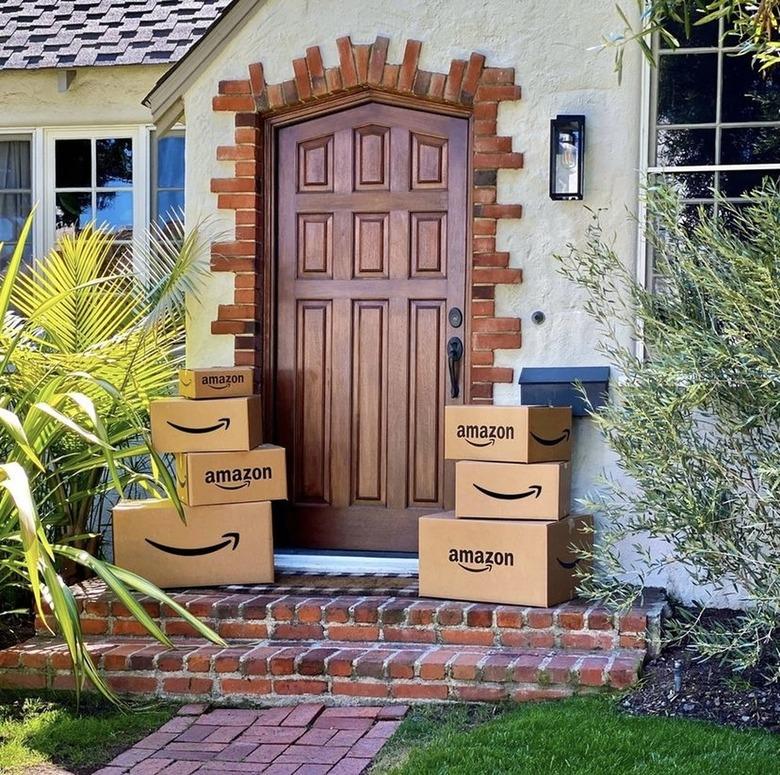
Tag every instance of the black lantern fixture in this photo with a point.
(567, 163)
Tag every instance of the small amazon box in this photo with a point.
(218, 545)
(230, 424)
(512, 490)
(227, 382)
(498, 561)
(204, 478)
(511, 434)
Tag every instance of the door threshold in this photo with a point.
(330, 562)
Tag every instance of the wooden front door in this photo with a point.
(372, 209)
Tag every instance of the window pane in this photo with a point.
(170, 162)
(690, 185)
(701, 35)
(15, 164)
(739, 184)
(749, 95)
(115, 210)
(169, 202)
(686, 88)
(14, 209)
(73, 163)
(114, 162)
(74, 211)
(757, 145)
(676, 147)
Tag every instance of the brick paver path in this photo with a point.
(305, 739)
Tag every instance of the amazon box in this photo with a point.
(511, 434)
(218, 545)
(498, 561)
(231, 477)
(229, 424)
(512, 490)
(216, 383)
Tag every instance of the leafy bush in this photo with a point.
(84, 343)
(695, 422)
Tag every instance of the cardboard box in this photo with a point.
(497, 561)
(218, 545)
(227, 382)
(204, 478)
(181, 425)
(512, 490)
(511, 434)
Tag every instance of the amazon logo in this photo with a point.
(237, 478)
(198, 551)
(484, 435)
(551, 442)
(222, 424)
(534, 491)
(478, 561)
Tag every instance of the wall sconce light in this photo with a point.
(567, 163)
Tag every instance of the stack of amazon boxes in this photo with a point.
(510, 538)
(226, 479)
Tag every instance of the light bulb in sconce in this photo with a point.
(567, 142)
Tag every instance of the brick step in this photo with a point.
(243, 614)
(288, 671)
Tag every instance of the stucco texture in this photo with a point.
(97, 96)
(548, 45)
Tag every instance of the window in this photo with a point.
(167, 176)
(715, 120)
(15, 192)
(93, 181)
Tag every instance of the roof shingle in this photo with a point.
(44, 33)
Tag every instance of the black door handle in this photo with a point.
(454, 355)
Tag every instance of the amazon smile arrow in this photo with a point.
(222, 423)
(198, 551)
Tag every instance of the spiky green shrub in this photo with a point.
(695, 417)
(84, 344)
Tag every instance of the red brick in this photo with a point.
(409, 65)
(302, 80)
(432, 666)
(485, 111)
(436, 86)
(401, 664)
(299, 686)
(482, 307)
(338, 610)
(496, 161)
(484, 275)
(313, 661)
(454, 80)
(232, 185)
(498, 75)
(187, 685)
(559, 668)
(408, 635)
(360, 689)
(496, 341)
(372, 663)
(238, 201)
(236, 152)
(283, 661)
(422, 612)
(361, 54)
(480, 693)
(128, 627)
(482, 244)
(485, 127)
(492, 374)
(467, 637)
(199, 661)
(248, 685)
(10, 657)
(471, 77)
(347, 62)
(632, 642)
(579, 640)
(525, 669)
(390, 76)
(501, 211)
(286, 631)
(353, 633)
(376, 62)
(633, 621)
(96, 607)
(15, 679)
(256, 661)
(257, 78)
(290, 92)
(571, 620)
(235, 87)
(283, 610)
(492, 144)
(495, 669)
(482, 358)
(592, 671)
(541, 693)
(234, 103)
(311, 610)
(131, 684)
(539, 618)
(367, 611)
(600, 619)
(484, 226)
(333, 79)
(500, 260)
(464, 666)
(340, 664)
(451, 613)
(316, 70)
(623, 673)
(484, 195)
(497, 92)
(393, 611)
(422, 691)
(510, 616)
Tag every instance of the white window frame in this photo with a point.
(139, 134)
(178, 130)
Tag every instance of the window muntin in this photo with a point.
(15, 192)
(93, 181)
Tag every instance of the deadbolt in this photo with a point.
(455, 317)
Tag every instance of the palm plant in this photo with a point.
(81, 353)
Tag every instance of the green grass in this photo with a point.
(45, 729)
(584, 736)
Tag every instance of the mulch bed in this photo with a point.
(709, 691)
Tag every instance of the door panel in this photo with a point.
(371, 227)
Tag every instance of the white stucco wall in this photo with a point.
(547, 43)
(97, 95)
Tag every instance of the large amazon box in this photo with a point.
(498, 561)
(204, 478)
(227, 382)
(512, 490)
(511, 434)
(218, 545)
(230, 424)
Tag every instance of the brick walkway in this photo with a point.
(302, 739)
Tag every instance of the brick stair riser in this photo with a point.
(388, 620)
(274, 672)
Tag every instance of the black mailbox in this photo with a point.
(558, 387)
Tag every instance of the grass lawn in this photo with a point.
(49, 730)
(583, 736)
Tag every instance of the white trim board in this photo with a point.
(291, 562)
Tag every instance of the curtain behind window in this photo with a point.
(15, 194)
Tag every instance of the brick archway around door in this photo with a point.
(468, 85)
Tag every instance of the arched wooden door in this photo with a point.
(371, 246)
